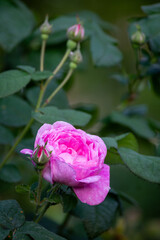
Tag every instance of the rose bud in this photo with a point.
(40, 155)
(138, 37)
(76, 33)
(76, 160)
(45, 29)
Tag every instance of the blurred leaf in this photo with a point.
(22, 188)
(97, 219)
(10, 173)
(156, 84)
(25, 143)
(16, 23)
(12, 81)
(103, 49)
(37, 76)
(139, 110)
(33, 192)
(110, 142)
(146, 167)
(151, 9)
(154, 123)
(11, 214)
(14, 111)
(53, 114)
(36, 231)
(27, 69)
(138, 125)
(127, 140)
(6, 136)
(4, 233)
(60, 100)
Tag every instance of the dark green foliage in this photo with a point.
(14, 116)
(97, 219)
(53, 114)
(16, 25)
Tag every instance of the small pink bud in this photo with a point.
(76, 32)
(40, 155)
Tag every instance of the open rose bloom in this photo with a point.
(76, 160)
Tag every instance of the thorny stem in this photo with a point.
(59, 87)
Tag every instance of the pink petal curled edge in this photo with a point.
(26, 151)
(95, 193)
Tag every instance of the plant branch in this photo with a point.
(25, 130)
(43, 47)
(59, 87)
(39, 192)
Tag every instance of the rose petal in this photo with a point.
(47, 173)
(63, 173)
(65, 125)
(91, 179)
(95, 193)
(26, 151)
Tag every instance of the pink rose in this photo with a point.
(77, 160)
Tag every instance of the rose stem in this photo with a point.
(39, 191)
(48, 204)
(59, 87)
(42, 55)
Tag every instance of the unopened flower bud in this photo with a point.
(72, 65)
(138, 37)
(40, 155)
(76, 32)
(76, 56)
(71, 44)
(46, 28)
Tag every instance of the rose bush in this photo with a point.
(76, 160)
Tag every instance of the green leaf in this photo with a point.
(12, 81)
(97, 219)
(27, 69)
(4, 233)
(16, 25)
(10, 173)
(110, 142)
(37, 76)
(14, 111)
(36, 231)
(6, 136)
(137, 124)
(53, 114)
(11, 214)
(127, 140)
(103, 49)
(68, 199)
(60, 100)
(146, 167)
(22, 188)
(151, 9)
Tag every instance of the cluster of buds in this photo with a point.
(138, 37)
(45, 29)
(40, 156)
(75, 35)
